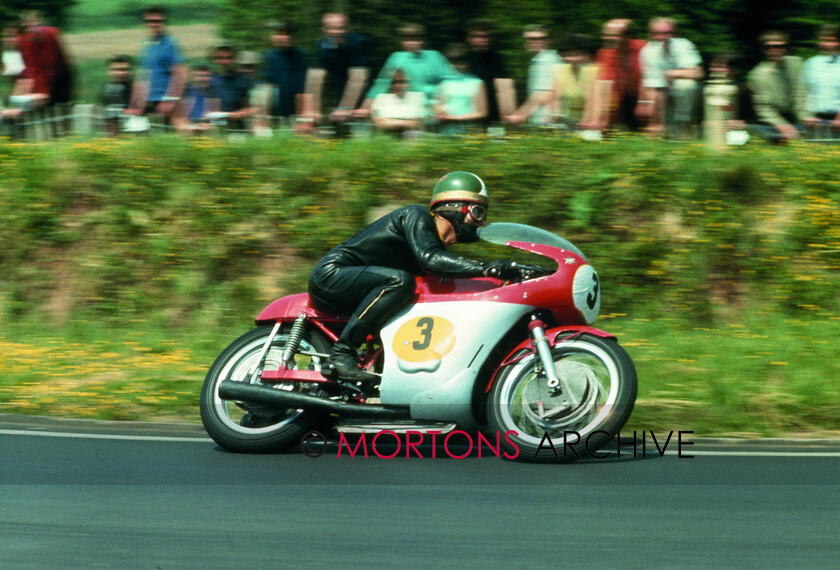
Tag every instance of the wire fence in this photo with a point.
(104, 121)
(38, 124)
(62, 120)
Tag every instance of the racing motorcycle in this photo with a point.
(517, 357)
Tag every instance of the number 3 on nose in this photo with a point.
(592, 297)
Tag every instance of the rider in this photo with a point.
(372, 273)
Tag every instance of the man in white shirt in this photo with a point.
(540, 107)
(671, 69)
(821, 76)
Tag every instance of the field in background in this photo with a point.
(96, 15)
(197, 40)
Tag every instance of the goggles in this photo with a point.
(476, 213)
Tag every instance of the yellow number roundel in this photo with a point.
(423, 339)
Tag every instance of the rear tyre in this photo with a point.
(601, 390)
(248, 428)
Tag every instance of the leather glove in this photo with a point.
(502, 269)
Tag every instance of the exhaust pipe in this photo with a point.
(244, 392)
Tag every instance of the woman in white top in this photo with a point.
(399, 111)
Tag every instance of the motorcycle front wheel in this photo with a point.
(542, 424)
(249, 428)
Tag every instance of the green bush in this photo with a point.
(169, 226)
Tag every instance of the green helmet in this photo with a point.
(460, 187)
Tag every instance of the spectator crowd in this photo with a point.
(657, 85)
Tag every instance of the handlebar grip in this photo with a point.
(522, 271)
(535, 270)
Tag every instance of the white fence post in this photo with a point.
(83, 119)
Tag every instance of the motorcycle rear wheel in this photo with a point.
(601, 382)
(249, 428)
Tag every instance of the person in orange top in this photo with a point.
(619, 77)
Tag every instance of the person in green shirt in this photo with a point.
(425, 69)
(460, 102)
(777, 91)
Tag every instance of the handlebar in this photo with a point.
(532, 271)
(525, 272)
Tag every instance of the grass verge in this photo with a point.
(770, 378)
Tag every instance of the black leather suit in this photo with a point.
(372, 273)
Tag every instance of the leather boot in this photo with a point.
(343, 360)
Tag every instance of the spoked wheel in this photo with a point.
(242, 427)
(600, 382)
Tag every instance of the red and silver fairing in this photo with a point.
(435, 347)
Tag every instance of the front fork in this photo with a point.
(540, 342)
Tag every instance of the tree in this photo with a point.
(713, 25)
(244, 21)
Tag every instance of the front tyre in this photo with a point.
(252, 428)
(601, 390)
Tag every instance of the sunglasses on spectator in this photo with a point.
(535, 38)
(154, 20)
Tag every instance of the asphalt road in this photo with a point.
(76, 494)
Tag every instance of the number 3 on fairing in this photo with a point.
(426, 324)
(424, 339)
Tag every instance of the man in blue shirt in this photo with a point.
(163, 73)
(821, 75)
(190, 114)
(425, 68)
(285, 71)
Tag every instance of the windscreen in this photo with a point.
(503, 232)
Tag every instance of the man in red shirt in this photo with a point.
(619, 76)
(46, 72)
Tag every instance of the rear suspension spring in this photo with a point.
(293, 342)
